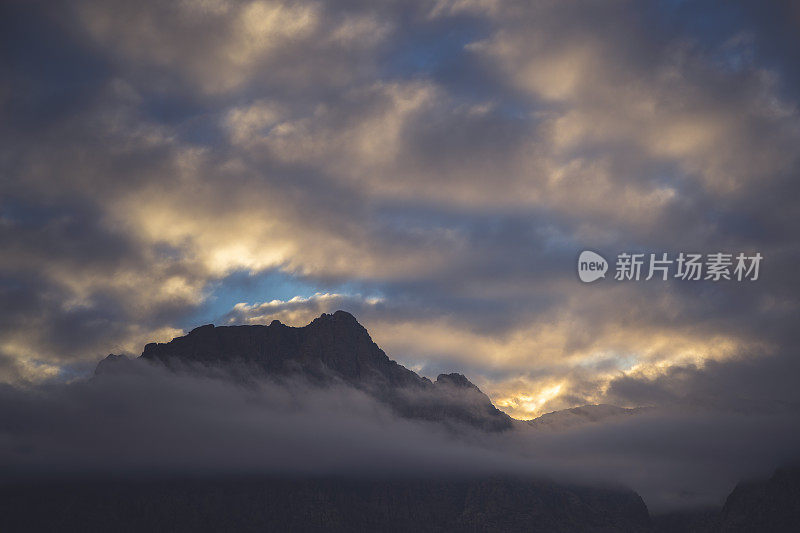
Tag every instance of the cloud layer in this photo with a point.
(145, 421)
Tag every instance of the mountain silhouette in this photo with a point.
(332, 349)
(770, 505)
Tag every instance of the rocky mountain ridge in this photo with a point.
(336, 349)
(332, 349)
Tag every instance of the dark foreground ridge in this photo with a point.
(330, 505)
(392, 505)
(771, 505)
(766, 506)
(333, 348)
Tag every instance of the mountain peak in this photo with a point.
(339, 317)
(456, 380)
(110, 363)
(204, 327)
(344, 315)
(333, 348)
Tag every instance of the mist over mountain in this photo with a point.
(288, 415)
(334, 349)
(577, 416)
(441, 169)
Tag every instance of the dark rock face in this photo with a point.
(459, 399)
(771, 506)
(331, 505)
(456, 381)
(331, 349)
(704, 520)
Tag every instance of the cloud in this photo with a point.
(221, 46)
(199, 424)
(447, 164)
(146, 421)
(540, 362)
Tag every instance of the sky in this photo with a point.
(433, 167)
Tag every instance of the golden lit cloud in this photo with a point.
(455, 176)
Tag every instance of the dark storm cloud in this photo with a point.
(740, 383)
(42, 313)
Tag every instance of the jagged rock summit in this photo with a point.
(332, 349)
(333, 346)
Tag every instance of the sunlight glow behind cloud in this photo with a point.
(201, 145)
